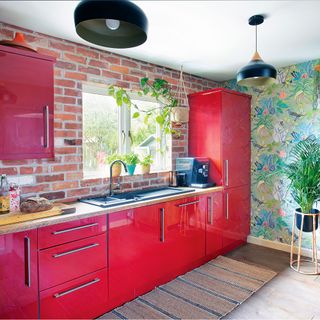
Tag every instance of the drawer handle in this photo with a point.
(187, 204)
(63, 293)
(58, 255)
(162, 225)
(209, 209)
(46, 126)
(27, 262)
(75, 228)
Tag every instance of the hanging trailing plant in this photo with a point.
(161, 91)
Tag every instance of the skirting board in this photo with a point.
(277, 245)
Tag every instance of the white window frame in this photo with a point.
(124, 126)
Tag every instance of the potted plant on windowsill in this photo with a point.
(131, 160)
(117, 168)
(145, 164)
(303, 171)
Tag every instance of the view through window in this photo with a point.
(110, 131)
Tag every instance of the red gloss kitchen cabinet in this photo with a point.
(183, 237)
(220, 130)
(26, 104)
(18, 275)
(212, 206)
(134, 260)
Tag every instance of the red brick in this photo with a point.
(97, 63)
(65, 116)
(48, 52)
(74, 58)
(65, 134)
(87, 52)
(71, 125)
(72, 158)
(9, 171)
(76, 76)
(111, 59)
(65, 185)
(72, 142)
(129, 63)
(130, 78)
(15, 162)
(72, 92)
(90, 182)
(35, 189)
(54, 195)
(122, 84)
(74, 176)
(139, 184)
(74, 109)
(65, 167)
(26, 170)
(50, 178)
(65, 150)
(58, 90)
(89, 70)
(78, 192)
(57, 125)
(62, 99)
(65, 83)
(65, 65)
(62, 46)
(147, 68)
(110, 74)
(119, 69)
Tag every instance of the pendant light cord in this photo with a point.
(256, 38)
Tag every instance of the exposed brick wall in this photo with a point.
(62, 178)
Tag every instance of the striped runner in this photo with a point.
(208, 292)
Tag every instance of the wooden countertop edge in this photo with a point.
(84, 210)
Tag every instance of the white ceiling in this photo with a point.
(211, 39)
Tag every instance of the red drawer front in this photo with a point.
(84, 298)
(72, 260)
(70, 231)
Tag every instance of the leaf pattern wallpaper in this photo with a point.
(281, 115)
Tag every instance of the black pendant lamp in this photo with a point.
(111, 23)
(256, 72)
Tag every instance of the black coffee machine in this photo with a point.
(195, 172)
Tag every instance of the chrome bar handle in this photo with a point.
(226, 168)
(75, 228)
(187, 204)
(227, 206)
(58, 255)
(46, 127)
(63, 293)
(209, 210)
(162, 225)
(27, 262)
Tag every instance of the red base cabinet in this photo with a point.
(18, 275)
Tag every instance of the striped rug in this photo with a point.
(208, 292)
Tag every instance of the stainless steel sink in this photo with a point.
(129, 197)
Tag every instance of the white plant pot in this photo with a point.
(180, 114)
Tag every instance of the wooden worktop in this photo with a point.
(84, 210)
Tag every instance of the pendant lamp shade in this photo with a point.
(111, 23)
(256, 72)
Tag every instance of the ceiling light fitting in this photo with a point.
(256, 72)
(111, 23)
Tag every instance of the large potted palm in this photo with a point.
(303, 171)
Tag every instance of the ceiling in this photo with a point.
(211, 39)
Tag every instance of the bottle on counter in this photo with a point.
(4, 194)
(14, 192)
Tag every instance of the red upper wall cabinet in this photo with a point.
(220, 129)
(26, 104)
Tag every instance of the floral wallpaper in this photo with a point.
(281, 115)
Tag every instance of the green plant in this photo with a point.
(303, 171)
(113, 157)
(147, 160)
(131, 158)
(158, 89)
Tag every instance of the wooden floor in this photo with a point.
(289, 295)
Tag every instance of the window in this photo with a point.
(109, 129)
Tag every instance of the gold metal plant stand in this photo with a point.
(296, 264)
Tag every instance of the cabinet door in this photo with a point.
(134, 240)
(26, 107)
(183, 236)
(18, 275)
(235, 139)
(237, 216)
(214, 223)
